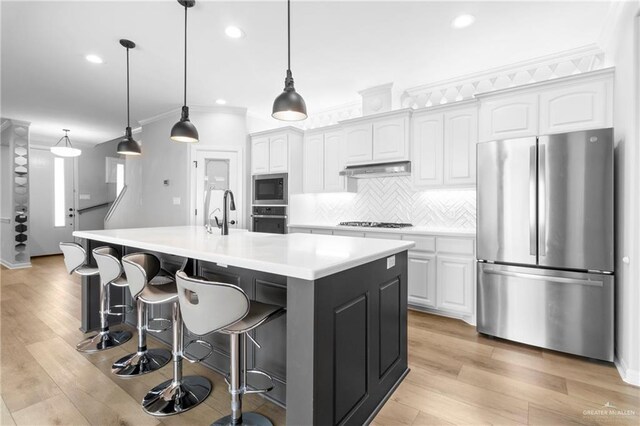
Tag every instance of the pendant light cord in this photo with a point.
(128, 121)
(185, 55)
(289, 35)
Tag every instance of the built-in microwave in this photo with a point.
(270, 189)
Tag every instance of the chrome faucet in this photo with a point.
(226, 206)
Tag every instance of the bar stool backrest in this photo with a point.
(216, 305)
(140, 268)
(74, 256)
(108, 264)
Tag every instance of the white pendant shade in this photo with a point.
(65, 151)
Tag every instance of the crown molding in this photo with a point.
(563, 55)
(225, 109)
(605, 72)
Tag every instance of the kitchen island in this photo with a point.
(341, 348)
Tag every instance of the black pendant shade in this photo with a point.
(184, 130)
(289, 105)
(128, 145)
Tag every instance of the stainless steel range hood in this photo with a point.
(398, 168)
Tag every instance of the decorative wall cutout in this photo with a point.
(19, 148)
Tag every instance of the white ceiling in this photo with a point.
(338, 48)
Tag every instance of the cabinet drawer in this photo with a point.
(382, 236)
(299, 231)
(423, 243)
(349, 233)
(455, 245)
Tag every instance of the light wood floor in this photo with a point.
(457, 377)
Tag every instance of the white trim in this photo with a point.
(465, 103)
(277, 130)
(10, 265)
(393, 113)
(629, 376)
(469, 319)
(195, 109)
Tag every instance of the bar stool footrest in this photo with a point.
(161, 328)
(125, 310)
(263, 390)
(201, 342)
(249, 418)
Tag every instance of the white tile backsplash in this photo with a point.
(388, 200)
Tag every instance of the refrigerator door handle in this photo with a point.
(532, 201)
(545, 278)
(542, 202)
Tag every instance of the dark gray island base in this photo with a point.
(341, 348)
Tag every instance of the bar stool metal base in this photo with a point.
(139, 363)
(248, 419)
(103, 340)
(169, 398)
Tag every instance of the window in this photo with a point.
(59, 201)
(119, 178)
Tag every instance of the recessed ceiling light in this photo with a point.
(221, 101)
(94, 59)
(233, 32)
(463, 21)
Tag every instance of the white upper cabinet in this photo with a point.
(428, 149)
(508, 117)
(313, 153)
(333, 161)
(278, 154)
(323, 159)
(278, 151)
(460, 139)
(378, 139)
(576, 107)
(390, 139)
(358, 140)
(444, 147)
(580, 102)
(259, 155)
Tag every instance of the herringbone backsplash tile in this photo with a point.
(388, 200)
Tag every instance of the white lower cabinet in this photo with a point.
(455, 289)
(421, 280)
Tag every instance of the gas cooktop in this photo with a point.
(376, 224)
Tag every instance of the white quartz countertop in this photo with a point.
(410, 230)
(304, 256)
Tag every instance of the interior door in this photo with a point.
(575, 204)
(507, 201)
(219, 170)
(51, 198)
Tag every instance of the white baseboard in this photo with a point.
(630, 376)
(10, 265)
(469, 319)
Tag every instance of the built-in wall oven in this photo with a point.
(270, 189)
(272, 220)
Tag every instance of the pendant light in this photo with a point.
(289, 105)
(66, 150)
(184, 130)
(128, 145)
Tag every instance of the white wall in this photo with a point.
(624, 53)
(92, 183)
(148, 201)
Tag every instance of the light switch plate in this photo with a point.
(391, 262)
(176, 201)
(84, 196)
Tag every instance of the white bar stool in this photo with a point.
(110, 272)
(144, 360)
(208, 307)
(179, 394)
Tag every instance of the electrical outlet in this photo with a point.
(391, 262)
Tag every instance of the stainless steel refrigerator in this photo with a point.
(545, 241)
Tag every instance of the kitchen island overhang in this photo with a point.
(340, 350)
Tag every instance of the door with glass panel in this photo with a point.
(51, 200)
(215, 172)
